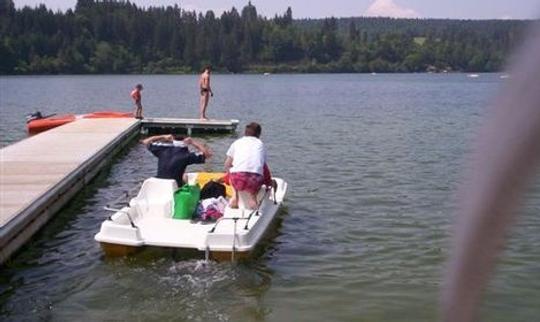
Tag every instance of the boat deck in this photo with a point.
(176, 232)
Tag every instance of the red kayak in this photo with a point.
(37, 123)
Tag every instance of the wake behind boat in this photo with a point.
(148, 221)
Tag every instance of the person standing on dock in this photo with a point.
(174, 156)
(137, 98)
(205, 90)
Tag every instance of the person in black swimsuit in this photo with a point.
(206, 91)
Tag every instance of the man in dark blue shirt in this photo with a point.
(174, 156)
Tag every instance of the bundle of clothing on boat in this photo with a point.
(212, 202)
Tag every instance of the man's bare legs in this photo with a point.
(204, 104)
(233, 203)
(251, 200)
(138, 111)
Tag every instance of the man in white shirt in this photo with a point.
(245, 162)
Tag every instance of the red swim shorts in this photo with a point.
(246, 181)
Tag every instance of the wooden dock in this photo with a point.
(188, 126)
(40, 174)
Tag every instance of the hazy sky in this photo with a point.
(468, 9)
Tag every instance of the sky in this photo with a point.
(455, 9)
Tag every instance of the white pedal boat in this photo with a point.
(148, 221)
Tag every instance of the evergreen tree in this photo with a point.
(117, 36)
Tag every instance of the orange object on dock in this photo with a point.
(40, 124)
(107, 115)
(44, 124)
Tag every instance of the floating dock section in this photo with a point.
(40, 174)
(188, 126)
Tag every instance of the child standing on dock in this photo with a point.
(206, 91)
(137, 98)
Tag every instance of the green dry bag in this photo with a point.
(185, 201)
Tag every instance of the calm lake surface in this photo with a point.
(371, 161)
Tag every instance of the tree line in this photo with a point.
(114, 36)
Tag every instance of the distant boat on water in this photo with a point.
(504, 76)
(473, 75)
(266, 74)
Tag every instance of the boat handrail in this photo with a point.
(235, 219)
(221, 219)
(257, 209)
(115, 210)
(274, 188)
(207, 249)
(234, 242)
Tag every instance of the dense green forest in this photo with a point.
(112, 36)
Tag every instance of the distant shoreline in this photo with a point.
(118, 37)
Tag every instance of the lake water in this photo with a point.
(371, 161)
